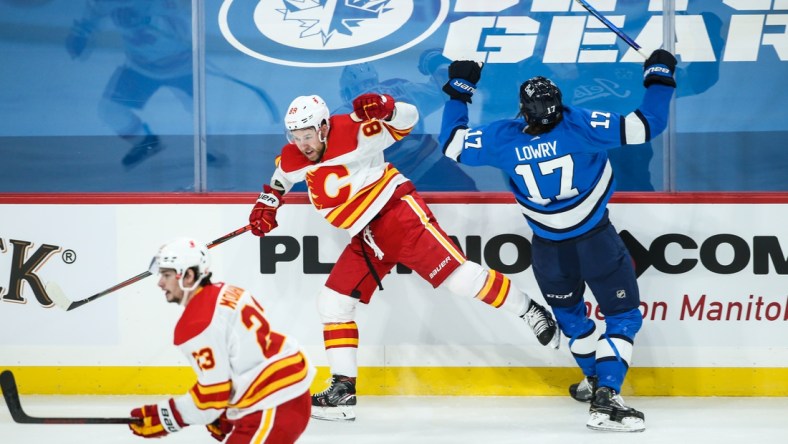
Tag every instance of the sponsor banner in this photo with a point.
(72, 244)
(712, 277)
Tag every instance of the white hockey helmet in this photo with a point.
(306, 112)
(180, 255)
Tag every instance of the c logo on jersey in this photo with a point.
(326, 187)
(325, 33)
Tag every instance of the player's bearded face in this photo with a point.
(168, 282)
(309, 143)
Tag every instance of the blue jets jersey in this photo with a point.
(562, 179)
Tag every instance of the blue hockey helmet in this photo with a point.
(540, 100)
(357, 79)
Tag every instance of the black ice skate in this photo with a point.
(609, 413)
(584, 390)
(146, 148)
(336, 402)
(542, 323)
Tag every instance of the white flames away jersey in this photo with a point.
(241, 364)
(352, 182)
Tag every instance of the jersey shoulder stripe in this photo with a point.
(198, 313)
(342, 138)
(292, 159)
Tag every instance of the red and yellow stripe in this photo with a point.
(345, 215)
(398, 134)
(340, 335)
(277, 376)
(495, 289)
(214, 396)
(434, 231)
(266, 426)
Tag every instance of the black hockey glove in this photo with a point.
(659, 68)
(463, 76)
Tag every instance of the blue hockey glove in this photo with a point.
(659, 68)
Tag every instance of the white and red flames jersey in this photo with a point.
(241, 364)
(352, 182)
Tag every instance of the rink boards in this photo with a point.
(712, 272)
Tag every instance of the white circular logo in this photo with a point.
(325, 33)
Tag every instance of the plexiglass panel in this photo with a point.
(99, 95)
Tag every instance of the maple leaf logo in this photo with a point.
(326, 18)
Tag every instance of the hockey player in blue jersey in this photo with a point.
(560, 175)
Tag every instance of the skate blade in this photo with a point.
(602, 422)
(343, 413)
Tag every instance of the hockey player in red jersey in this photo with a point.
(252, 382)
(341, 159)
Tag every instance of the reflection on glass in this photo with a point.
(157, 49)
(117, 98)
(418, 156)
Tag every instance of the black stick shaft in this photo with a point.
(629, 40)
(11, 395)
(229, 236)
(143, 275)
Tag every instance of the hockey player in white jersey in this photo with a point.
(252, 381)
(560, 175)
(351, 185)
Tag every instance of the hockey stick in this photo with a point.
(612, 27)
(11, 395)
(57, 296)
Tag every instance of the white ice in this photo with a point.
(455, 420)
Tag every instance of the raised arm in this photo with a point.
(463, 76)
(651, 117)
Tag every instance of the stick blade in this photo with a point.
(57, 296)
(11, 395)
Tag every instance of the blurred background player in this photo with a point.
(351, 185)
(252, 382)
(157, 44)
(416, 156)
(556, 160)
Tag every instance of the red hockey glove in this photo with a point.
(157, 420)
(220, 428)
(263, 216)
(373, 106)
